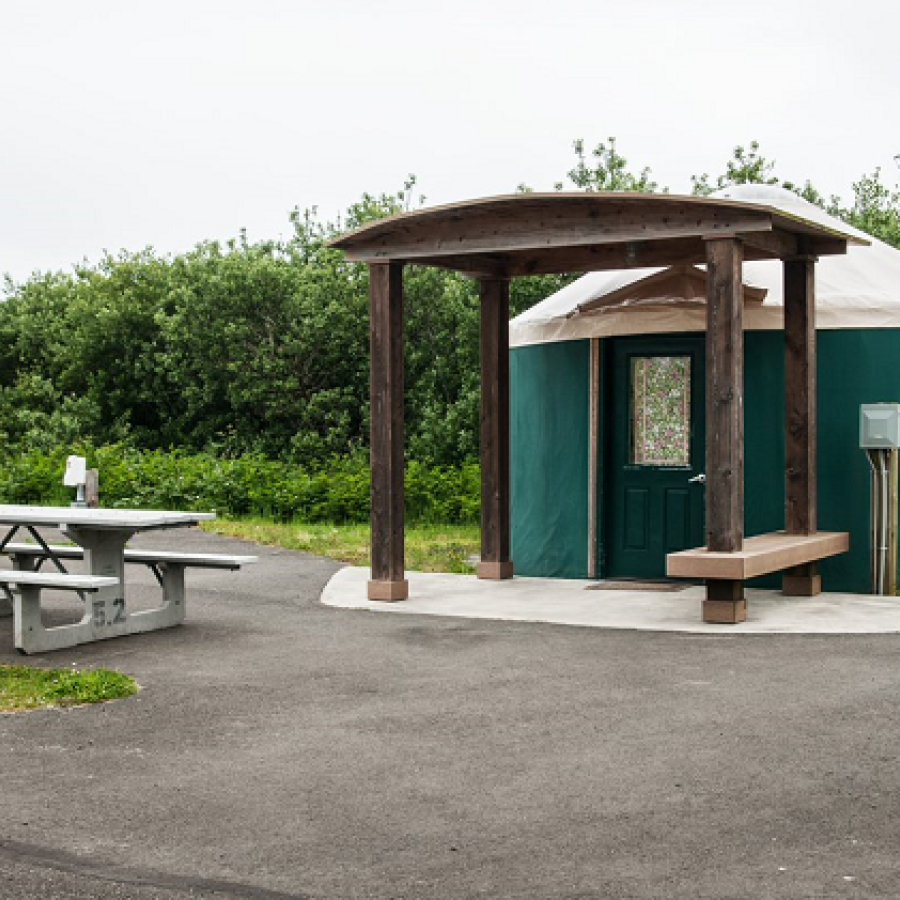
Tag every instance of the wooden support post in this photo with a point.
(800, 513)
(495, 556)
(724, 420)
(386, 393)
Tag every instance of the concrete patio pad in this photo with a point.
(576, 602)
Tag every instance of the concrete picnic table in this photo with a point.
(101, 536)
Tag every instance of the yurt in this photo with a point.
(607, 408)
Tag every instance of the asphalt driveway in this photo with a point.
(283, 749)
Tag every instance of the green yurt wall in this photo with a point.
(549, 416)
(550, 385)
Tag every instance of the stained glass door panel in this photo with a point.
(661, 410)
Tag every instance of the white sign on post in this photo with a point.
(76, 471)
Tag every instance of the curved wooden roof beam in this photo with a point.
(529, 234)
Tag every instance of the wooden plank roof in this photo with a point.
(524, 234)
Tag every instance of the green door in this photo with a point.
(655, 446)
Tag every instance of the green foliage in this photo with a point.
(749, 166)
(237, 349)
(746, 166)
(875, 209)
(259, 351)
(25, 687)
(608, 171)
(337, 491)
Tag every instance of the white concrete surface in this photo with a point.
(568, 602)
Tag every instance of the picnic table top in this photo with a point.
(62, 516)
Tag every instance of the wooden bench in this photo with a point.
(725, 573)
(761, 555)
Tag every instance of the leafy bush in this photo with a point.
(249, 485)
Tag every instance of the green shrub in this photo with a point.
(338, 491)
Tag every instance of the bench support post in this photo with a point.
(724, 421)
(725, 603)
(802, 581)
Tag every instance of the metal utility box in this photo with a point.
(879, 426)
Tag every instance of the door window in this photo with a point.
(660, 411)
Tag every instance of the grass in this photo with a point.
(24, 687)
(429, 548)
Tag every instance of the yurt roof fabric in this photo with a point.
(858, 290)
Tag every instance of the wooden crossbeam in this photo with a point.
(543, 226)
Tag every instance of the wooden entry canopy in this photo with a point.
(499, 238)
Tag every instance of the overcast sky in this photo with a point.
(133, 124)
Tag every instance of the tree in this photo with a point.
(875, 209)
(608, 172)
(744, 167)
(263, 347)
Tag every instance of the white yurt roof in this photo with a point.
(858, 290)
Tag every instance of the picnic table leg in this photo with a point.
(30, 635)
(173, 592)
(104, 554)
(21, 563)
(6, 598)
(28, 631)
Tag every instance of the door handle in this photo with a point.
(698, 479)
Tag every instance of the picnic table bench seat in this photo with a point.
(59, 580)
(147, 557)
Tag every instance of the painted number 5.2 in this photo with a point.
(99, 611)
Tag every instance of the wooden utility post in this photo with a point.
(800, 508)
(386, 393)
(495, 555)
(92, 488)
(725, 601)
